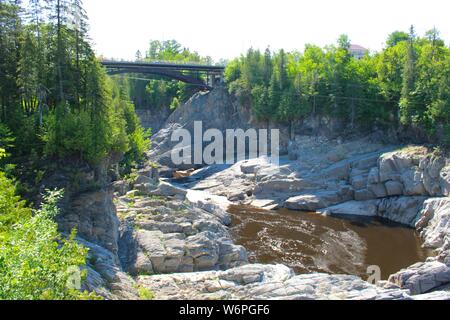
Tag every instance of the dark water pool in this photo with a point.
(309, 242)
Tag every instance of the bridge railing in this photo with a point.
(164, 62)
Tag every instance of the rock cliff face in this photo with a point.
(407, 185)
(87, 205)
(360, 176)
(157, 229)
(153, 119)
(89, 208)
(93, 214)
(216, 110)
(175, 242)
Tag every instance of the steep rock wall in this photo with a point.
(216, 110)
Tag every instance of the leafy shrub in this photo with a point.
(12, 209)
(6, 140)
(138, 137)
(35, 261)
(145, 294)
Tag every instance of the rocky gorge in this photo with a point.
(172, 239)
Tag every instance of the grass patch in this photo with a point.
(145, 293)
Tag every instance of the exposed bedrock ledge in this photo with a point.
(93, 214)
(408, 185)
(166, 229)
(256, 281)
(434, 227)
(408, 172)
(404, 210)
(105, 275)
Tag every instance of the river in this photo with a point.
(309, 242)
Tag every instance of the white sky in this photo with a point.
(227, 28)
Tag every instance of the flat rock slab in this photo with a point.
(264, 203)
(313, 202)
(356, 208)
(256, 281)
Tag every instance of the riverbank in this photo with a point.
(174, 238)
(175, 241)
(313, 243)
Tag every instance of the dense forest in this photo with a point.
(407, 84)
(158, 92)
(404, 85)
(56, 103)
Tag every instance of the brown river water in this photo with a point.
(309, 242)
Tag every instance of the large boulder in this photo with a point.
(444, 181)
(422, 277)
(412, 180)
(168, 190)
(435, 222)
(389, 166)
(359, 181)
(379, 190)
(355, 208)
(287, 186)
(432, 167)
(337, 171)
(151, 251)
(394, 188)
(314, 201)
(404, 210)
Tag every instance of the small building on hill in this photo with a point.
(357, 51)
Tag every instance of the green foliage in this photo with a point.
(76, 130)
(159, 93)
(36, 263)
(6, 142)
(56, 102)
(55, 97)
(405, 84)
(175, 103)
(6, 138)
(12, 208)
(396, 37)
(137, 138)
(145, 294)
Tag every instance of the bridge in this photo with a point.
(187, 73)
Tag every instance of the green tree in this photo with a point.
(396, 37)
(407, 103)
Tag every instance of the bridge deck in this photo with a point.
(187, 73)
(165, 65)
